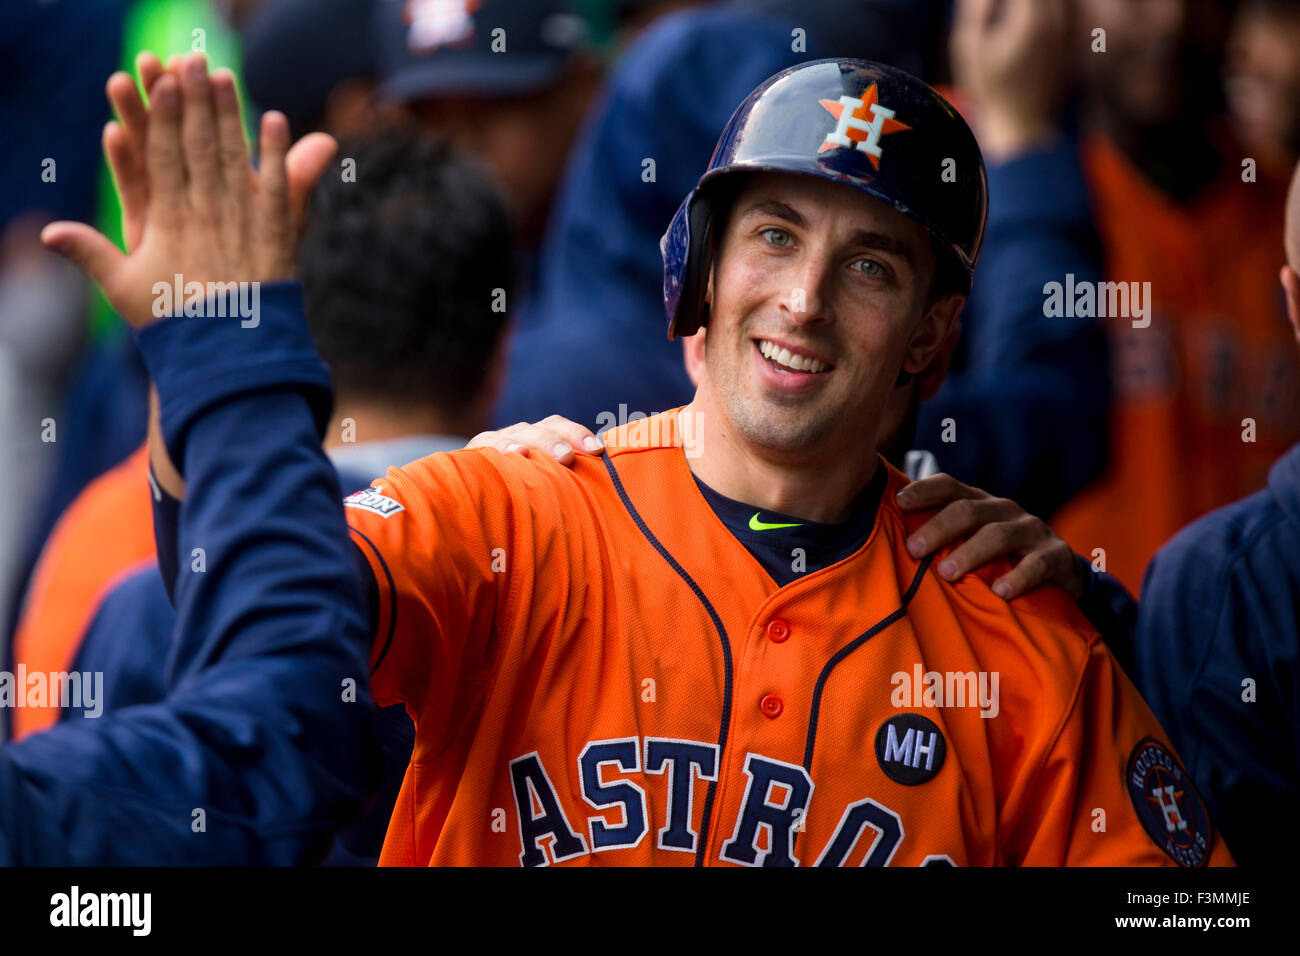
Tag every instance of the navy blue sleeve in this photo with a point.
(264, 745)
(1217, 612)
(279, 350)
(1110, 609)
(1028, 394)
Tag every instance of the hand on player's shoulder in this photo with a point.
(556, 436)
(992, 528)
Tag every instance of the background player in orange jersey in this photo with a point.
(1206, 388)
(710, 645)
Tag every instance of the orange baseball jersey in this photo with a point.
(1207, 395)
(103, 536)
(600, 673)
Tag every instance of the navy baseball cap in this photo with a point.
(297, 51)
(429, 48)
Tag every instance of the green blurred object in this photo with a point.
(164, 27)
(601, 21)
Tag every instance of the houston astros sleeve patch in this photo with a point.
(1166, 801)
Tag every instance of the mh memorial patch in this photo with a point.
(910, 749)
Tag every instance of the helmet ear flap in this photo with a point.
(696, 232)
(692, 310)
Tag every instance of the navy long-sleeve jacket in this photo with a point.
(264, 745)
(1218, 659)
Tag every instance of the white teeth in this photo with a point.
(791, 360)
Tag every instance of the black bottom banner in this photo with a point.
(332, 906)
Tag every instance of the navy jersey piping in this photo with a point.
(848, 649)
(722, 635)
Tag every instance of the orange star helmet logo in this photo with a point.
(436, 23)
(860, 123)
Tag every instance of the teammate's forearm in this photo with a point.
(284, 752)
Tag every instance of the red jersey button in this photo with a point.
(778, 630)
(771, 705)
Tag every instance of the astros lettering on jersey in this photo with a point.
(600, 673)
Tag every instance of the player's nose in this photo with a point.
(808, 299)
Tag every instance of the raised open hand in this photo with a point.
(192, 205)
(1011, 58)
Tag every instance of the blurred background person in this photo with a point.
(1263, 80)
(507, 80)
(314, 61)
(1207, 395)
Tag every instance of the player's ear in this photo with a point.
(693, 353)
(933, 332)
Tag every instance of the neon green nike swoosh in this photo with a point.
(756, 525)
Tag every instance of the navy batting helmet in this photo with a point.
(864, 124)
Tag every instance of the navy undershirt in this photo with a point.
(822, 545)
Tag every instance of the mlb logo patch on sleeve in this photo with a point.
(1168, 805)
(371, 499)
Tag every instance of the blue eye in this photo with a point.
(870, 267)
(777, 237)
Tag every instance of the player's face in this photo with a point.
(819, 296)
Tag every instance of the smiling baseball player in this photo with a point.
(710, 645)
